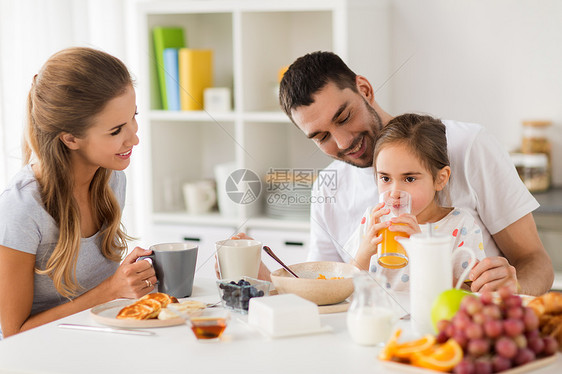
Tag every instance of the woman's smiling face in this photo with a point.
(110, 140)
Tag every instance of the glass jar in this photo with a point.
(535, 137)
(535, 172)
(371, 315)
(518, 161)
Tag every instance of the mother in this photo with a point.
(60, 217)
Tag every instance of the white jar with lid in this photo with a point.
(535, 171)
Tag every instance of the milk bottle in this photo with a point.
(370, 318)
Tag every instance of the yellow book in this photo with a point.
(196, 74)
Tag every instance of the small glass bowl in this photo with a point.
(236, 295)
(209, 324)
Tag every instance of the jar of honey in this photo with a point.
(536, 139)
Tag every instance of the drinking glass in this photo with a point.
(391, 253)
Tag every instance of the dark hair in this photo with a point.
(424, 135)
(308, 75)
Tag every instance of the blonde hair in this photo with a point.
(71, 88)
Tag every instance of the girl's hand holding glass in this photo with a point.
(372, 237)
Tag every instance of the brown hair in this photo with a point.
(308, 75)
(424, 135)
(72, 87)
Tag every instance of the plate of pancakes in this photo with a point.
(149, 311)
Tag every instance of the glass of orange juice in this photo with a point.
(391, 254)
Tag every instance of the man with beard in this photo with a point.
(337, 110)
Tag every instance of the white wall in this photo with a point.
(494, 62)
(30, 32)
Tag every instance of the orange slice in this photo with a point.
(443, 357)
(388, 350)
(405, 350)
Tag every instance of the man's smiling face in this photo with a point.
(341, 123)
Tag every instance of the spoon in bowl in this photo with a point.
(273, 256)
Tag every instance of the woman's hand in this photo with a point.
(493, 273)
(133, 279)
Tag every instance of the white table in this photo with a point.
(49, 349)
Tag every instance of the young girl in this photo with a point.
(60, 233)
(411, 155)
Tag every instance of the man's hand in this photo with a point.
(263, 273)
(493, 273)
(522, 247)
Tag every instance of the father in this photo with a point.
(337, 110)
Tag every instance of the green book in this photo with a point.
(164, 37)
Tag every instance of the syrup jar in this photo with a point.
(371, 316)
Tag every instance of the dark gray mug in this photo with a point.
(174, 264)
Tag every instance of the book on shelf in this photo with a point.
(196, 74)
(164, 37)
(172, 78)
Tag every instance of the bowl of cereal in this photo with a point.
(322, 282)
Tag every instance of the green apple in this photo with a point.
(446, 305)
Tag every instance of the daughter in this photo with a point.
(411, 155)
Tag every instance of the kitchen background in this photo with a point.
(495, 62)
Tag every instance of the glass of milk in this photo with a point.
(370, 317)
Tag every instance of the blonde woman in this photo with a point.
(61, 240)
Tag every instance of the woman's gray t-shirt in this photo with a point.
(26, 226)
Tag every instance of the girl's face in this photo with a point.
(110, 140)
(399, 169)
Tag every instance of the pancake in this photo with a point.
(162, 298)
(154, 305)
(135, 311)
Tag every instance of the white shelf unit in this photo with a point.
(251, 40)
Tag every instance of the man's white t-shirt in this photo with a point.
(483, 182)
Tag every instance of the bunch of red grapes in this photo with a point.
(495, 336)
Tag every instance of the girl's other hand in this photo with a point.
(134, 279)
(406, 223)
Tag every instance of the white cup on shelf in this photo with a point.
(227, 207)
(217, 99)
(200, 196)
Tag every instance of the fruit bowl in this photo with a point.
(236, 295)
(308, 286)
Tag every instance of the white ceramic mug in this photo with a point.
(431, 272)
(199, 196)
(238, 258)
